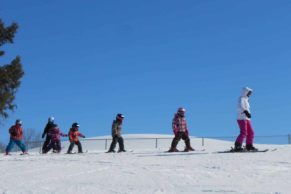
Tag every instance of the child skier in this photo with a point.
(49, 125)
(73, 137)
(55, 139)
(116, 134)
(180, 130)
(244, 122)
(16, 135)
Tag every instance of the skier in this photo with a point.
(180, 130)
(73, 137)
(54, 134)
(16, 135)
(49, 125)
(244, 122)
(116, 134)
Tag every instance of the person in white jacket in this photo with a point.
(244, 121)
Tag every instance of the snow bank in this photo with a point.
(149, 171)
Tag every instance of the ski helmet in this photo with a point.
(119, 116)
(181, 111)
(18, 121)
(75, 125)
(51, 119)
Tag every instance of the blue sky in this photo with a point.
(87, 61)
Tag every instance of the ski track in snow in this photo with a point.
(150, 171)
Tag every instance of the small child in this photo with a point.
(16, 135)
(73, 137)
(55, 139)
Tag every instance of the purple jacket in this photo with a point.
(55, 134)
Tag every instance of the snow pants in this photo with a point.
(178, 137)
(46, 143)
(19, 143)
(72, 144)
(116, 139)
(246, 131)
(55, 145)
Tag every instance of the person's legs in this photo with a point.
(250, 137)
(243, 131)
(21, 145)
(71, 147)
(175, 142)
(188, 147)
(10, 146)
(113, 144)
(121, 144)
(80, 150)
(46, 142)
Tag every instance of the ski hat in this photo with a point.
(51, 119)
(75, 125)
(246, 90)
(18, 121)
(119, 116)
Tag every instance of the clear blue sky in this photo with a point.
(85, 61)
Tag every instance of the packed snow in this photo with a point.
(150, 170)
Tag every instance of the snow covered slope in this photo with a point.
(149, 171)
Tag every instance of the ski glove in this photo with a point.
(248, 114)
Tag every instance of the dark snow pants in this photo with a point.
(116, 139)
(72, 144)
(178, 137)
(55, 145)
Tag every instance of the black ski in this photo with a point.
(245, 151)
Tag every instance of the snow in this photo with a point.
(149, 171)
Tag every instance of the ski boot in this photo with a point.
(250, 148)
(173, 150)
(110, 151)
(123, 150)
(238, 147)
(188, 149)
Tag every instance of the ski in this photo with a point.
(245, 151)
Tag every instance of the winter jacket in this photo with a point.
(16, 132)
(55, 134)
(116, 128)
(243, 105)
(74, 134)
(179, 124)
(48, 126)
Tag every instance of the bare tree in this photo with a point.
(31, 138)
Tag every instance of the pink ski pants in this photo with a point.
(246, 131)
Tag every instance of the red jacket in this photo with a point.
(16, 132)
(74, 134)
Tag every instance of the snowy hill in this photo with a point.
(149, 171)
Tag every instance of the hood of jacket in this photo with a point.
(245, 91)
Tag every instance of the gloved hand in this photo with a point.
(42, 136)
(248, 114)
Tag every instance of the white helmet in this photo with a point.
(51, 119)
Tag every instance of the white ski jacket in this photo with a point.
(243, 104)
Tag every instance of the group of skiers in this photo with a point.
(53, 134)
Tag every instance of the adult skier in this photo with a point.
(16, 135)
(49, 125)
(73, 137)
(116, 134)
(180, 130)
(55, 135)
(244, 122)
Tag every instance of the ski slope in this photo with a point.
(149, 171)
